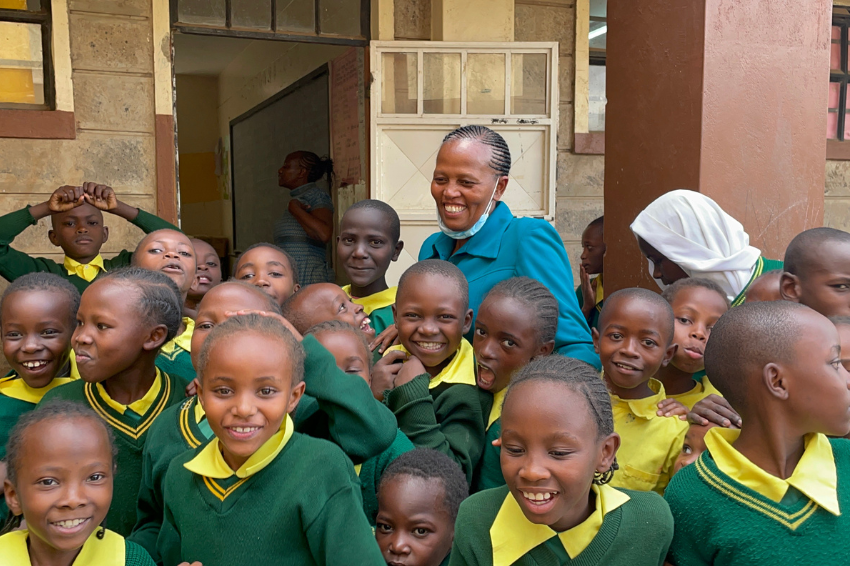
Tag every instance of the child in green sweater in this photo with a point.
(77, 218)
(270, 268)
(259, 492)
(420, 494)
(321, 302)
(516, 323)
(779, 365)
(123, 320)
(558, 456)
(207, 276)
(368, 242)
(61, 468)
(429, 380)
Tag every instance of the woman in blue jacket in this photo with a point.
(479, 234)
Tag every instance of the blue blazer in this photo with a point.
(508, 247)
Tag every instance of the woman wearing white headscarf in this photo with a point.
(686, 234)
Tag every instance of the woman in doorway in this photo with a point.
(479, 234)
(306, 227)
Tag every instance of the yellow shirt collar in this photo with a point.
(374, 302)
(460, 370)
(141, 406)
(496, 411)
(108, 551)
(513, 535)
(183, 341)
(87, 271)
(648, 406)
(210, 463)
(16, 388)
(199, 413)
(600, 294)
(814, 475)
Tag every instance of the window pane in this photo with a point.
(442, 83)
(296, 15)
(596, 99)
(253, 14)
(340, 17)
(205, 12)
(835, 49)
(485, 87)
(834, 91)
(528, 83)
(399, 88)
(29, 5)
(21, 64)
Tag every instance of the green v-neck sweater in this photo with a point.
(637, 533)
(303, 509)
(131, 433)
(720, 521)
(489, 472)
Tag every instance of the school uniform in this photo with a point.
(747, 516)
(371, 470)
(130, 425)
(445, 412)
(625, 528)
(700, 391)
(649, 444)
(296, 501)
(14, 263)
(593, 322)
(489, 472)
(175, 356)
(379, 307)
(110, 550)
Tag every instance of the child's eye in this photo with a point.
(155, 250)
(47, 482)
(650, 343)
(101, 326)
(421, 531)
(480, 332)
(841, 286)
(447, 317)
(835, 364)
(246, 276)
(615, 336)
(383, 527)
(341, 308)
(347, 241)
(13, 335)
(212, 264)
(205, 326)
(683, 320)
(508, 343)
(185, 254)
(687, 449)
(276, 274)
(49, 332)
(559, 453)
(98, 476)
(411, 315)
(513, 450)
(223, 391)
(376, 243)
(353, 371)
(267, 391)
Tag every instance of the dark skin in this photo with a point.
(662, 268)
(592, 254)
(765, 288)
(365, 249)
(207, 276)
(318, 224)
(268, 269)
(824, 282)
(321, 302)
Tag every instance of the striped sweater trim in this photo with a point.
(104, 411)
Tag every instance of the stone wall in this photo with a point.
(836, 202)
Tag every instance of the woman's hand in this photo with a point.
(714, 409)
(385, 339)
(385, 371)
(318, 224)
(672, 408)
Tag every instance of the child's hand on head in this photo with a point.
(385, 371)
(99, 196)
(385, 339)
(672, 408)
(714, 409)
(65, 198)
(410, 369)
(283, 321)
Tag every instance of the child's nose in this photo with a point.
(360, 252)
(31, 344)
(73, 496)
(398, 545)
(532, 471)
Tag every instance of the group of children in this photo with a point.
(157, 414)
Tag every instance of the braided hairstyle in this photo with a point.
(539, 300)
(582, 379)
(46, 282)
(158, 297)
(500, 154)
(317, 167)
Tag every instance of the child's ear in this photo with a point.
(773, 376)
(156, 338)
(51, 235)
(398, 247)
(467, 321)
(594, 333)
(105, 234)
(12, 498)
(546, 348)
(395, 315)
(295, 397)
(671, 351)
(296, 288)
(607, 452)
(789, 287)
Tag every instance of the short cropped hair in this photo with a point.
(797, 259)
(437, 267)
(746, 339)
(45, 282)
(428, 464)
(293, 267)
(296, 317)
(158, 297)
(669, 294)
(541, 303)
(335, 326)
(390, 215)
(638, 294)
(271, 304)
(597, 222)
(258, 324)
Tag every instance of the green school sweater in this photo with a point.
(449, 418)
(178, 364)
(14, 263)
(131, 433)
(489, 472)
(734, 525)
(372, 469)
(382, 318)
(303, 509)
(637, 533)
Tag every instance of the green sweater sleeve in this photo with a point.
(135, 555)
(15, 263)
(348, 414)
(451, 422)
(148, 223)
(149, 507)
(489, 473)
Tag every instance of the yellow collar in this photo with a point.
(108, 551)
(648, 406)
(814, 475)
(210, 463)
(16, 388)
(496, 411)
(374, 302)
(87, 271)
(183, 341)
(460, 370)
(513, 535)
(600, 294)
(199, 413)
(141, 406)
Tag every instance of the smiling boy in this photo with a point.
(321, 302)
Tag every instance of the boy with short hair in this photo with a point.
(765, 288)
(77, 219)
(589, 293)
(321, 302)
(634, 340)
(433, 392)
(817, 271)
(775, 491)
(368, 242)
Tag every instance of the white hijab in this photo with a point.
(693, 232)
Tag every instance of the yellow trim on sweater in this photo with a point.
(373, 302)
(108, 551)
(87, 271)
(512, 535)
(185, 430)
(815, 474)
(15, 387)
(460, 370)
(133, 432)
(141, 406)
(496, 411)
(184, 341)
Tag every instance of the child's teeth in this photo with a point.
(71, 523)
(244, 428)
(430, 345)
(537, 496)
(34, 365)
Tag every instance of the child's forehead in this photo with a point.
(202, 247)
(368, 218)
(43, 299)
(633, 312)
(698, 297)
(84, 210)
(233, 296)
(343, 341)
(168, 236)
(438, 286)
(262, 255)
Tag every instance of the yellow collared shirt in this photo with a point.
(374, 302)
(460, 370)
(512, 535)
(16, 388)
(815, 474)
(649, 444)
(496, 411)
(108, 551)
(183, 341)
(210, 463)
(700, 391)
(87, 271)
(141, 406)
(600, 293)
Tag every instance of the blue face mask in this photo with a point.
(470, 232)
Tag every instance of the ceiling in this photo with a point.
(205, 54)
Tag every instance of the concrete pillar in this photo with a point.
(727, 98)
(382, 20)
(472, 20)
